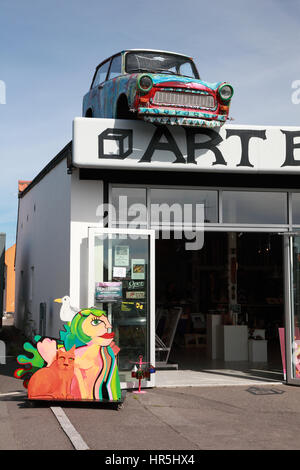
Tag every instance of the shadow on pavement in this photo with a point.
(14, 340)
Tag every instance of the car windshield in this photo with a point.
(160, 62)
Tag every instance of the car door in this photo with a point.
(111, 88)
(95, 99)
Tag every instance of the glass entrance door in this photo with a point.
(121, 282)
(292, 323)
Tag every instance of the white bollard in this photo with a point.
(2, 352)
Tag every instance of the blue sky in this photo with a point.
(49, 50)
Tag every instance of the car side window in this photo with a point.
(101, 74)
(116, 67)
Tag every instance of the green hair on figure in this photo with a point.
(74, 334)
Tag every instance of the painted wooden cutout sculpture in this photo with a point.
(54, 382)
(80, 365)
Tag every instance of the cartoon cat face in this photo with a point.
(65, 359)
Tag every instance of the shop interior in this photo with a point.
(220, 307)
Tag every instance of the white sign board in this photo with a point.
(133, 144)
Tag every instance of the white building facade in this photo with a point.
(72, 236)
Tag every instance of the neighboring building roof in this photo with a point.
(23, 185)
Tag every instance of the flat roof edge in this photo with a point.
(65, 153)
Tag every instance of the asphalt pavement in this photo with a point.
(240, 417)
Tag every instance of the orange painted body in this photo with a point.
(54, 381)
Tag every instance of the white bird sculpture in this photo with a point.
(67, 312)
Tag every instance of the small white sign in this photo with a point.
(119, 271)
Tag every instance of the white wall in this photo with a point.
(43, 248)
(86, 196)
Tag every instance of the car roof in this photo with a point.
(156, 50)
(141, 50)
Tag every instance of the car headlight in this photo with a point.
(145, 83)
(225, 92)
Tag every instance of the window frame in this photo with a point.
(109, 69)
(194, 67)
(255, 192)
(96, 72)
(110, 59)
(220, 225)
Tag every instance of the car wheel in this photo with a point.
(123, 111)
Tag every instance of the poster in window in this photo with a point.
(135, 294)
(108, 291)
(121, 255)
(137, 269)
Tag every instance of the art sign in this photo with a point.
(109, 143)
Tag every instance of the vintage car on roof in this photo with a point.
(156, 86)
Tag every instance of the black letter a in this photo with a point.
(155, 144)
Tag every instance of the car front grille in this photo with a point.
(184, 99)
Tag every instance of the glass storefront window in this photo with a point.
(129, 207)
(254, 207)
(296, 208)
(184, 197)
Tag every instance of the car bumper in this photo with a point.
(181, 117)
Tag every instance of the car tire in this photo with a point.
(123, 111)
